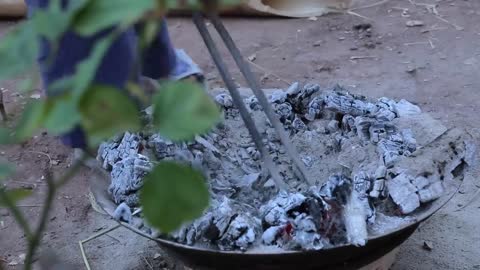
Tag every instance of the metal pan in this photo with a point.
(340, 257)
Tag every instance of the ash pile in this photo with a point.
(376, 163)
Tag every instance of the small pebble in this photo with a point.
(28, 186)
(269, 183)
(427, 245)
(55, 162)
(414, 23)
(318, 43)
(411, 69)
(333, 126)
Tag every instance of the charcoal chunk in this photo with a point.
(162, 147)
(253, 103)
(403, 193)
(432, 192)
(299, 125)
(333, 126)
(314, 109)
(347, 104)
(284, 111)
(377, 132)
(239, 234)
(224, 100)
(278, 96)
(127, 177)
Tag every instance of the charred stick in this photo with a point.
(237, 99)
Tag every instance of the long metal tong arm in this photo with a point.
(237, 100)
(262, 99)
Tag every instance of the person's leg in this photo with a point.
(161, 60)
(115, 68)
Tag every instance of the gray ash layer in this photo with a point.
(350, 145)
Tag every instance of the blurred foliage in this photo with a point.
(173, 193)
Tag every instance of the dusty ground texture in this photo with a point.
(435, 65)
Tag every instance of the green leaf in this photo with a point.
(98, 15)
(15, 195)
(6, 136)
(106, 111)
(54, 20)
(29, 82)
(183, 110)
(173, 194)
(5, 170)
(32, 119)
(62, 115)
(137, 92)
(148, 33)
(18, 50)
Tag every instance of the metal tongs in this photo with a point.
(199, 21)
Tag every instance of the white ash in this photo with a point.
(227, 225)
(127, 178)
(421, 182)
(355, 217)
(278, 96)
(162, 148)
(293, 89)
(347, 104)
(299, 125)
(431, 192)
(314, 109)
(333, 126)
(242, 232)
(405, 108)
(252, 103)
(284, 111)
(385, 223)
(403, 193)
(350, 145)
(378, 190)
(119, 148)
(310, 221)
(394, 146)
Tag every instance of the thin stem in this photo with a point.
(2, 108)
(37, 237)
(53, 186)
(17, 214)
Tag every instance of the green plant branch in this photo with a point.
(17, 214)
(79, 83)
(34, 242)
(53, 186)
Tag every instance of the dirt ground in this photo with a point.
(435, 65)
